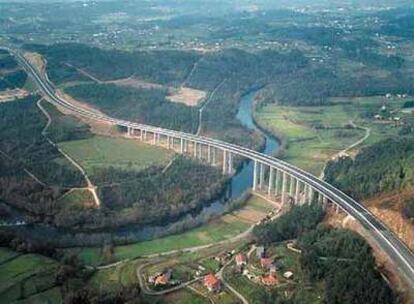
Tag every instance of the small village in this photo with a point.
(261, 266)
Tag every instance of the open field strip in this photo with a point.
(225, 227)
(316, 134)
(24, 276)
(103, 152)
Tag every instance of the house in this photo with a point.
(211, 282)
(260, 251)
(288, 275)
(270, 280)
(266, 262)
(162, 280)
(241, 260)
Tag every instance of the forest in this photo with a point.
(146, 197)
(148, 106)
(21, 124)
(290, 225)
(344, 262)
(383, 167)
(340, 259)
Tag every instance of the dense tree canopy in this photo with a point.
(382, 167)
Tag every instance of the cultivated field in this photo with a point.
(217, 230)
(103, 152)
(316, 134)
(187, 96)
(26, 276)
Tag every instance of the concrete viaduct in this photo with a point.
(271, 176)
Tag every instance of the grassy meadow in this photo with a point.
(225, 227)
(103, 152)
(315, 134)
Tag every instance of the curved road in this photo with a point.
(401, 255)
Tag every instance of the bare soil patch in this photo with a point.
(388, 207)
(250, 215)
(37, 60)
(135, 83)
(187, 96)
(10, 95)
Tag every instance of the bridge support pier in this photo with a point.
(254, 175)
(271, 181)
(284, 187)
(291, 186)
(261, 177)
(224, 162)
(230, 163)
(195, 149)
(277, 182)
(297, 192)
(214, 156)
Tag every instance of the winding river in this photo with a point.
(238, 185)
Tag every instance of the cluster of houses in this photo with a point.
(163, 279)
(269, 265)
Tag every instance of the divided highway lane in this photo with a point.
(388, 241)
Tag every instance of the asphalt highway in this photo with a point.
(400, 254)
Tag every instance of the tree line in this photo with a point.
(383, 167)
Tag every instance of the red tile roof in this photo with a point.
(240, 259)
(266, 262)
(161, 280)
(270, 280)
(210, 280)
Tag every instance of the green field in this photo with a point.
(103, 152)
(25, 276)
(114, 278)
(185, 296)
(315, 134)
(220, 229)
(6, 255)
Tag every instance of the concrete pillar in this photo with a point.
(169, 142)
(209, 154)
(277, 183)
(230, 164)
(214, 156)
(195, 149)
(324, 202)
(145, 134)
(306, 196)
(181, 145)
(154, 138)
(320, 198)
(310, 197)
(262, 173)
(297, 191)
(284, 187)
(142, 135)
(224, 161)
(254, 175)
(292, 186)
(271, 181)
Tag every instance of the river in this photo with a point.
(238, 185)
